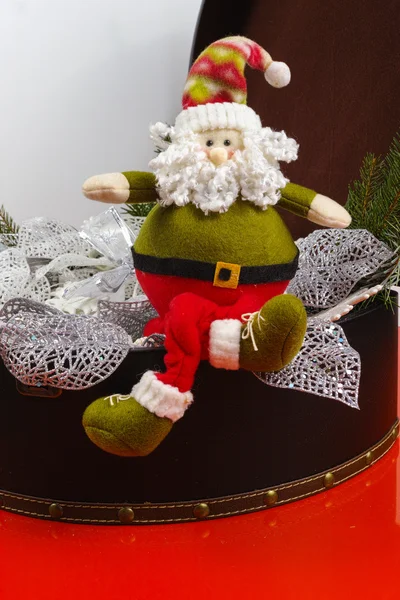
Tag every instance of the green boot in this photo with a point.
(267, 340)
(120, 425)
(273, 336)
(135, 425)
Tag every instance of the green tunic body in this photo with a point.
(244, 235)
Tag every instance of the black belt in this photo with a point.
(222, 274)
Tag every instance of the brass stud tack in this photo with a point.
(329, 480)
(2, 502)
(369, 457)
(271, 498)
(55, 511)
(201, 511)
(395, 433)
(126, 515)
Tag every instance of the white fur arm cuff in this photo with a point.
(111, 187)
(325, 211)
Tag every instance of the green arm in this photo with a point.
(296, 199)
(313, 206)
(116, 188)
(142, 186)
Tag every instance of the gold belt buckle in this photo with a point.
(227, 275)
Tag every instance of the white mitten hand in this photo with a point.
(110, 187)
(325, 211)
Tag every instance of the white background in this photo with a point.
(81, 80)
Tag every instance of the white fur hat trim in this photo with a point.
(218, 115)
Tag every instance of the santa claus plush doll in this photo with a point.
(213, 256)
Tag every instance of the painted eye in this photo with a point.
(209, 143)
(227, 142)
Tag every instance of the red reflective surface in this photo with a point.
(344, 543)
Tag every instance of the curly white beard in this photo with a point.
(185, 174)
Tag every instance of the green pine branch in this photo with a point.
(374, 204)
(138, 210)
(165, 139)
(371, 179)
(7, 223)
(374, 199)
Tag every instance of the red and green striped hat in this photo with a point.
(215, 92)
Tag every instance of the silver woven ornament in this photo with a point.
(63, 351)
(18, 305)
(48, 238)
(334, 262)
(17, 280)
(131, 316)
(326, 365)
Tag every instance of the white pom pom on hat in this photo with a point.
(278, 74)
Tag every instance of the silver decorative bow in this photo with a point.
(110, 236)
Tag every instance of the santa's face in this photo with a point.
(220, 145)
(212, 169)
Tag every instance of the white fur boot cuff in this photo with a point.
(160, 398)
(224, 344)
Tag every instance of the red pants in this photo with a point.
(186, 326)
